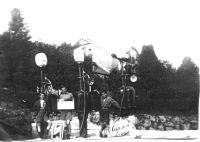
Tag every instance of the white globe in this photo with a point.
(41, 60)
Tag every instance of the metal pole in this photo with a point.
(41, 72)
(84, 101)
(80, 76)
(124, 89)
(122, 68)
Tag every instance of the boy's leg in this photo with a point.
(67, 129)
(103, 126)
(39, 127)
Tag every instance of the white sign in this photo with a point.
(65, 105)
(122, 126)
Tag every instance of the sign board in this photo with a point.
(122, 126)
(65, 105)
(57, 129)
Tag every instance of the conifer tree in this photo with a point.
(14, 43)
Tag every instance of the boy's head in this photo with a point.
(63, 88)
(104, 94)
(42, 96)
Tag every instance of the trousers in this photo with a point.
(82, 124)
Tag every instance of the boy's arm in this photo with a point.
(35, 109)
(115, 103)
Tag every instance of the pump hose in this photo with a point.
(84, 110)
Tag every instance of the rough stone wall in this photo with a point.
(166, 122)
(160, 122)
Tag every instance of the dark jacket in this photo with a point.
(108, 102)
(52, 104)
(39, 112)
(94, 101)
(80, 102)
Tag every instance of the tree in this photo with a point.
(150, 73)
(14, 43)
(17, 28)
(188, 84)
(169, 80)
(3, 72)
(71, 68)
(168, 86)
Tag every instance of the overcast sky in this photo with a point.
(171, 26)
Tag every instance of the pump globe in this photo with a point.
(79, 55)
(41, 60)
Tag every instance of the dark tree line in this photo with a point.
(163, 88)
(159, 86)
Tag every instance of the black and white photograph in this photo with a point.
(99, 70)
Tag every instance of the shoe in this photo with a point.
(44, 137)
(67, 136)
(100, 134)
(85, 136)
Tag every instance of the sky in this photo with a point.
(171, 26)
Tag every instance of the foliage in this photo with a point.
(14, 44)
(150, 74)
(163, 88)
(188, 84)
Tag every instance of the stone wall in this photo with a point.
(159, 122)
(166, 122)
